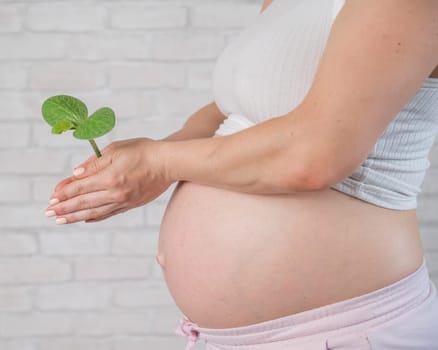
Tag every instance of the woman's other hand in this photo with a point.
(127, 175)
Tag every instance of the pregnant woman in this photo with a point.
(293, 224)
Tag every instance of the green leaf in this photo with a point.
(99, 123)
(61, 126)
(64, 107)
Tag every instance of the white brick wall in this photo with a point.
(98, 287)
(66, 17)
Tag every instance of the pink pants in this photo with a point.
(400, 316)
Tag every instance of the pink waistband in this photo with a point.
(346, 316)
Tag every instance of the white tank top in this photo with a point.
(267, 70)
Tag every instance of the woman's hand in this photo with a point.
(129, 174)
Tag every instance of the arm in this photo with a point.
(377, 55)
(253, 160)
(202, 123)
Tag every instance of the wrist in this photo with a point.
(188, 160)
(164, 151)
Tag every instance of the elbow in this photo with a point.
(326, 173)
(307, 179)
(317, 174)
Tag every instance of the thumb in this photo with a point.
(91, 166)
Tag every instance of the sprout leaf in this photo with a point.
(63, 112)
(99, 123)
(61, 126)
(63, 107)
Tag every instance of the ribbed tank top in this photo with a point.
(267, 70)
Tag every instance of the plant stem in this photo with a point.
(95, 148)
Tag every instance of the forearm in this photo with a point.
(201, 124)
(253, 160)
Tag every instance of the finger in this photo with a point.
(81, 202)
(115, 212)
(89, 159)
(75, 188)
(52, 198)
(92, 166)
(105, 152)
(110, 146)
(71, 178)
(64, 182)
(82, 215)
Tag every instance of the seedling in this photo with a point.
(64, 113)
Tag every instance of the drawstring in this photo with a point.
(187, 329)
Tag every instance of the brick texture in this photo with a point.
(98, 286)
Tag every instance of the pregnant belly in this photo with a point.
(232, 258)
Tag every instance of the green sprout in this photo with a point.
(64, 113)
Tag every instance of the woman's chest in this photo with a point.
(267, 70)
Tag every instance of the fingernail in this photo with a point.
(78, 171)
(53, 201)
(50, 213)
(61, 221)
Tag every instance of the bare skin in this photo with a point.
(232, 259)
